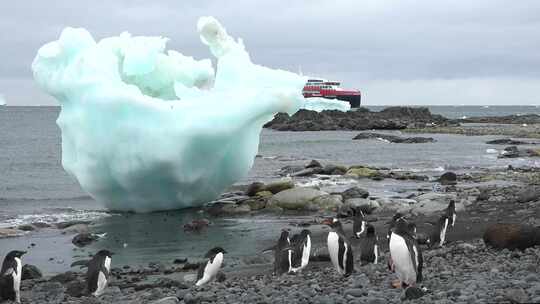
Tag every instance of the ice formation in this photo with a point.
(2, 100)
(145, 129)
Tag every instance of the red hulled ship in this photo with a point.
(331, 90)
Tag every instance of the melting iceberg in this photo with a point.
(2, 100)
(147, 129)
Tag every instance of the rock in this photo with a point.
(516, 295)
(308, 172)
(394, 139)
(77, 228)
(295, 199)
(64, 277)
(255, 187)
(41, 225)
(412, 293)
(222, 208)
(64, 225)
(334, 170)
(507, 141)
(167, 300)
(362, 172)
(180, 261)
(30, 272)
(83, 239)
(258, 203)
(354, 192)
(196, 225)
(278, 186)
(355, 292)
(26, 228)
(528, 194)
(325, 202)
(76, 288)
(512, 236)
(448, 178)
(8, 232)
(430, 203)
(314, 164)
(510, 152)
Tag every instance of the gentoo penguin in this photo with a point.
(437, 236)
(98, 273)
(301, 244)
(369, 246)
(283, 254)
(451, 212)
(406, 255)
(209, 270)
(339, 248)
(10, 276)
(359, 223)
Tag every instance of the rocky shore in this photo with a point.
(463, 271)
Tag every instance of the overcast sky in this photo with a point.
(395, 52)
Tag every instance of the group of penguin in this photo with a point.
(291, 254)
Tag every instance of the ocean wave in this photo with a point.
(54, 218)
(46, 199)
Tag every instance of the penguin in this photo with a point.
(209, 270)
(339, 248)
(10, 276)
(301, 244)
(437, 237)
(451, 212)
(369, 247)
(359, 223)
(283, 254)
(98, 273)
(406, 254)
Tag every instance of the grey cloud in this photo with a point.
(410, 45)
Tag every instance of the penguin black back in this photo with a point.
(282, 254)
(369, 249)
(98, 272)
(451, 212)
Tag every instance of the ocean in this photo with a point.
(34, 186)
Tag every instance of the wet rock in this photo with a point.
(412, 293)
(84, 239)
(30, 272)
(448, 178)
(314, 164)
(180, 261)
(41, 225)
(65, 225)
(510, 152)
(196, 225)
(394, 139)
(308, 172)
(355, 292)
(295, 199)
(362, 172)
(354, 192)
(8, 232)
(77, 228)
(222, 208)
(507, 141)
(258, 203)
(167, 300)
(325, 202)
(26, 228)
(273, 188)
(512, 236)
(528, 194)
(64, 277)
(334, 170)
(516, 295)
(76, 288)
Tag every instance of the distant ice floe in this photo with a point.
(147, 129)
(2, 100)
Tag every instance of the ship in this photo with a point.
(331, 90)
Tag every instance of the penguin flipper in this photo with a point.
(200, 271)
(272, 248)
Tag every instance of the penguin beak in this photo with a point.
(23, 253)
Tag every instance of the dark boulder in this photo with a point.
(314, 164)
(354, 192)
(64, 277)
(507, 141)
(83, 239)
(512, 236)
(510, 152)
(448, 178)
(30, 272)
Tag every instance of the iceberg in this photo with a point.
(146, 129)
(2, 100)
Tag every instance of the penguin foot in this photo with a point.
(396, 284)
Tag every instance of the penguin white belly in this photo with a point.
(402, 259)
(376, 252)
(306, 253)
(443, 232)
(333, 250)
(17, 280)
(453, 219)
(101, 284)
(211, 269)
